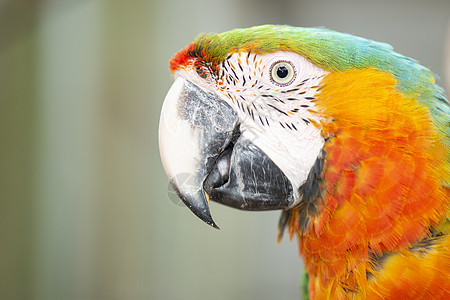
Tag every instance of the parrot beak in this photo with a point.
(205, 156)
(195, 127)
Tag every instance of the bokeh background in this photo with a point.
(84, 210)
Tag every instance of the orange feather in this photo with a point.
(382, 191)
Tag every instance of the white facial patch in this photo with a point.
(277, 118)
(276, 111)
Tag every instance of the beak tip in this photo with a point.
(205, 216)
(198, 204)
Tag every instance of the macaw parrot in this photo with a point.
(349, 139)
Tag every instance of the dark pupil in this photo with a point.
(282, 72)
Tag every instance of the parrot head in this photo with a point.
(239, 125)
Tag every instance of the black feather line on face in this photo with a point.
(260, 119)
(224, 66)
(232, 69)
(278, 100)
(279, 110)
(249, 111)
(240, 67)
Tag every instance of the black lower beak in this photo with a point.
(252, 181)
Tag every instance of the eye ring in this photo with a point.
(282, 73)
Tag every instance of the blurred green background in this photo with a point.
(84, 208)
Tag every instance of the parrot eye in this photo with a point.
(282, 73)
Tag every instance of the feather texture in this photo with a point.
(382, 190)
